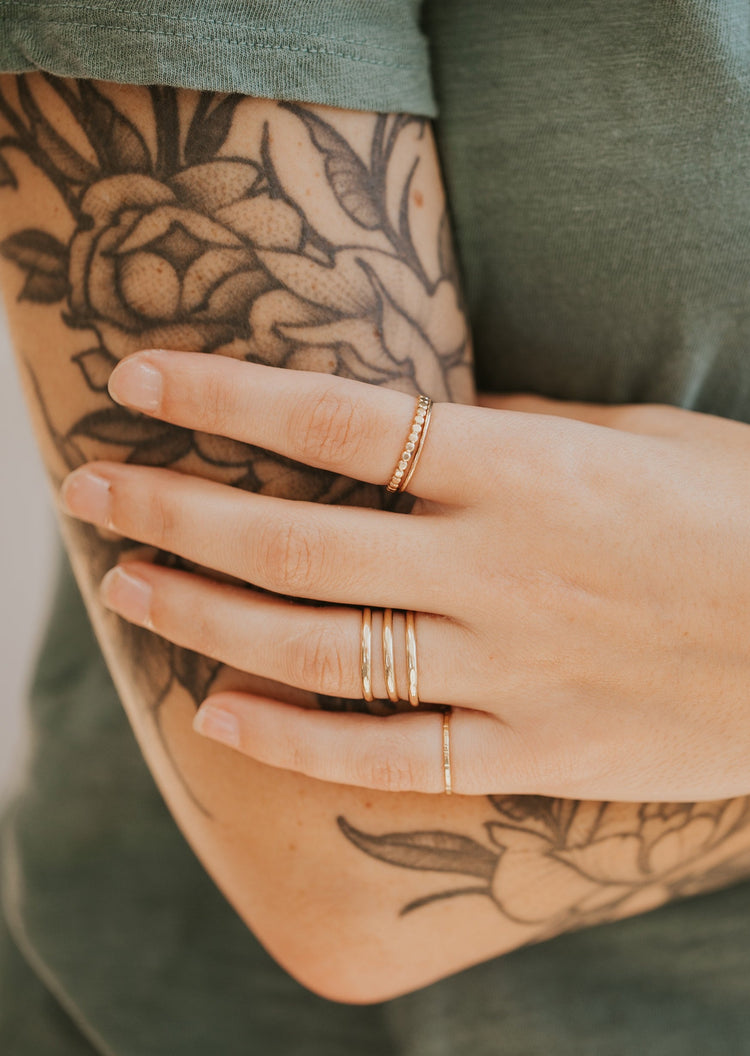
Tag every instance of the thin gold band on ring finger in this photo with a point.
(447, 780)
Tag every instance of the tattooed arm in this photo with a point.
(316, 239)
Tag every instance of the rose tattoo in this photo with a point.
(178, 238)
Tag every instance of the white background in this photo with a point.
(26, 558)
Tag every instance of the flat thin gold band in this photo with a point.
(365, 665)
(411, 659)
(407, 463)
(447, 753)
(389, 663)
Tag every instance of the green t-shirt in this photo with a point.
(597, 160)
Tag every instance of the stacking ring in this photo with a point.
(448, 786)
(365, 662)
(389, 662)
(411, 659)
(407, 463)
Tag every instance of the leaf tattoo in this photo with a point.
(45, 261)
(349, 177)
(96, 365)
(118, 144)
(177, 242)
(596, 862)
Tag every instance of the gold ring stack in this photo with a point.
(407, 463)
(389, 660)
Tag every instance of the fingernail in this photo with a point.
(218, 724)
(127, 594)
(85, 494)
(136, 384)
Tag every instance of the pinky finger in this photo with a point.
(398, 753)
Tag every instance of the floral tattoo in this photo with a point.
(187, 246)
(179, 237)
(597, 861)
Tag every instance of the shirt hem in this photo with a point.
(245, 58)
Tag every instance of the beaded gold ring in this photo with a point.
(407, 463)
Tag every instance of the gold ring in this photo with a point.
(411, 659)
(447, 753)
(407, 463)
(388, 660)
(365, 665)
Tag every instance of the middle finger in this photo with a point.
(302, 549)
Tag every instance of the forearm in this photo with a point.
(311, 239)
(295, 251)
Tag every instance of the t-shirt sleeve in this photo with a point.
(359, 54)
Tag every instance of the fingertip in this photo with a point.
(137, 382)
(218, 723)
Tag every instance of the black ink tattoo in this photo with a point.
(183, 245)
(554, 865)
(176, 241)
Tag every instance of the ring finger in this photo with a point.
(312, 648)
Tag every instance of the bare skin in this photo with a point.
(284, 235)
(591, 639)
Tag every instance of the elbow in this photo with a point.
(355, 980)
(367, 965)
(347, 981)
(347, 972)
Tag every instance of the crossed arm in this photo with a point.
(305, 238)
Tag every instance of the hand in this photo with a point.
(581, 575)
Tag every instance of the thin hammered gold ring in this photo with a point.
(412, 674)
(365, 665)
(407, 462)
(447, 781)
(389, 663)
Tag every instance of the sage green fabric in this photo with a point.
(597, 159)
(362, 54)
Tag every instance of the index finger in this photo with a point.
(332, 423)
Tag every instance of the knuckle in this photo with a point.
(298, 755)
(287, 556)
(388, 766)
(332, 427)
(196, 628)
(318, 663)
(215, 400)
(201, 630)
(291, 753)
(157, 517)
